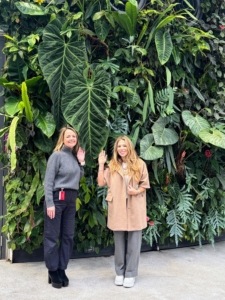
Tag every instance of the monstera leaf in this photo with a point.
(58, 55)
(164, 45)
(164, 136)
(148, 151)
(195, 123)
(85, 106)
(213, 136)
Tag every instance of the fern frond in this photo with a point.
(184, 205)
(173, 221)
(162, 197)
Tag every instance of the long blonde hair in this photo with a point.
(60, 144)
(132, 159)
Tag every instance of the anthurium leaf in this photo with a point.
(164, 136)
(32, 81)
(31, 9)
(46, 123)
(124, 21)
(195, 123)
(85, 106)
(15, 69)
(57, 56)
(147, 150)
(132, 96)
(213, 136)
(164, 45)
(42, 142)
(11, 105)
(102, 29)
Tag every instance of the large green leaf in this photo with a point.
(31, 9)
(46, 123)
(12, 141)
(213, 136)
(164, 136)
(85, 106)
(11, 105)
(164, 45)
(147, 150)
(58, 55)
(196, 124)
(42, 142)
(15, 69)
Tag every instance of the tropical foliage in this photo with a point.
(150, 74)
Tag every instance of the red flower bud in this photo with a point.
(222, 27)
(208, 153)
(151, 223)
(147, 218)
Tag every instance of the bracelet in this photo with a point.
(82, 163)
(138, 192)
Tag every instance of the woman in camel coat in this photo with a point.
(127, 179)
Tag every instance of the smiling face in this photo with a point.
(70, 138)
(122, 149)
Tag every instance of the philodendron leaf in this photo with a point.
(31, 9)
(164, 45)
(11, 105)
(85, 106)
(102, 29)
(147, 150)
(195, 123)
(58, 55)
(46, 123)
(164, 136)
(213, 136)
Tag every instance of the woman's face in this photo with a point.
(70, 138)
(122, 149)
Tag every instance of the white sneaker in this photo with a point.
(119, 280)
(129, 282)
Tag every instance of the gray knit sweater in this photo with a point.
(63, 171)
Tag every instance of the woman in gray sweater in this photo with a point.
(63, 173)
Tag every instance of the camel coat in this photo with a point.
(130, 214)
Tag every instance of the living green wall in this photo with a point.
(148, 74)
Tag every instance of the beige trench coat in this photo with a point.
(125, 215)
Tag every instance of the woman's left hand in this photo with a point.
(81, 155)
(132, 191)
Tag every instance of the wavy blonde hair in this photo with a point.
(132, 159)
(60, 144)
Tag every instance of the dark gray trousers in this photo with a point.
(127, 252)
(59, 232)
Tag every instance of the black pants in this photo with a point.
(59, 232)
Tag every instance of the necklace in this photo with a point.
(125, 169)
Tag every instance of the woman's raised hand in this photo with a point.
(81, 155)
(102, 158)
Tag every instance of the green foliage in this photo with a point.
(147, 74)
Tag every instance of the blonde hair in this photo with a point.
(60, 144)
(132, 159)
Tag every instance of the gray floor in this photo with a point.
(185, 274)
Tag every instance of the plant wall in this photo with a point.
(155, 74)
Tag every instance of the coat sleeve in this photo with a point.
(144, 181)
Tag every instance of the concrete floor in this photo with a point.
(185, 274)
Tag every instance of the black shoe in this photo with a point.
(54, 279)
(64, 278)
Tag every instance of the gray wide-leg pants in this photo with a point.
(59, 232)
(127, 252)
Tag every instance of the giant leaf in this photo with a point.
(58, 55)
(195, 123)
(164, 136)
(85, 106)
(164, 45)
(147, 150)
(213, 136)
